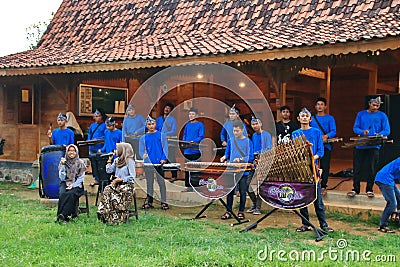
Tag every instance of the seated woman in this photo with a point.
(71, 172)
(118, 196)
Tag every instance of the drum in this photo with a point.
(139, 167)
(99, 162)
(49, 181)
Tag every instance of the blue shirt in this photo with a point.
(227, 131)
(245, 146)
(166, 125)
(130, 125)
(389, 173)
(261, 141)
(328, 124)
(62, 137)
(376, 123)
(127, 172)
(314, 136)
(155, 145)
(193, 132)
(111, 139)
(98, 134)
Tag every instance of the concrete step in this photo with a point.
(360, 205)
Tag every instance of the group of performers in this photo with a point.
(148, 137)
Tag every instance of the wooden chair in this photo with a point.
(84, 209)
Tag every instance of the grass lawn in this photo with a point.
(29, 236)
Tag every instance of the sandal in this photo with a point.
(395, 216)
(241, 216)
(147, 206)
(226, 216)
(386, 230)
(351, 194)
(93, 184)
(370, 194)
(303, 228)
(164, 206)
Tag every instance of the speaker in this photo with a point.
(393, 111)
(391, 106)
(388, 153)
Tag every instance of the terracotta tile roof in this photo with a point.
(90, 31)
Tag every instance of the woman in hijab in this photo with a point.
(71, 172)
(118, 196)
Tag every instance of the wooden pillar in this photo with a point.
(327, 86)
(398, 85)
(372, 81)
(281, 99)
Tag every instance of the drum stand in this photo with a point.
(319, 232)
(200, 216)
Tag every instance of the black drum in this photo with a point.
(99, 163)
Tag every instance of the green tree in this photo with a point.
(35, 31)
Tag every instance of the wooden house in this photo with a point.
(294, 51)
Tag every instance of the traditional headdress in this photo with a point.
(254, 119)
(129, 107)
(376, 100)
(110, 121)
(149, 119)
(62, 117)
(305, 111)
(97, 113)
(234, 109)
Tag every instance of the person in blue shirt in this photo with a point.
(153, 148)
(313, 136)
(113, 135)
(194, 133)
(370, 122)
(166, 124)
(96, 132)
(262, 141)
(227, 128)
(133, 127)
(326, 123)
(385, 180)
(62, 135)
(238, 150)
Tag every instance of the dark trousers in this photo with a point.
(319, 210)
(68, 201)
(190, 157)
(365, 164)
(392, 196)
(325, 165)
(242, 190)
(134, 142)
(255, 198)
(172, 158)
(159, 173)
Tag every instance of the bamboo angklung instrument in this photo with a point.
(289, 162)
